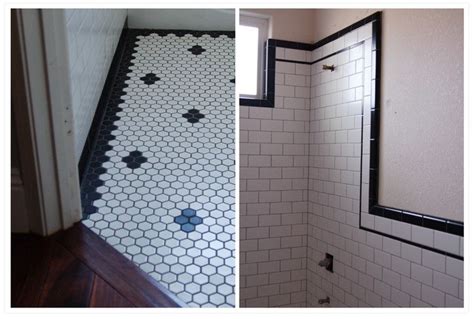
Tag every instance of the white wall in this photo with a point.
(421, 154)
(183, 19)
(289, 24)
(329, 21)
(93, 35)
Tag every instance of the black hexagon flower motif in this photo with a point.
(196, 50)
(150, 78)
(193, 116)
(188, 220)
(134, 159)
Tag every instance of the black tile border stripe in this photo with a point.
(324, 57)
(441, 252)
(293, 61)
(413, 218)
(269, 95)
(426, 221)
(422, 220)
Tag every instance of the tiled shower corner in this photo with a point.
(159, 187)
(301, 171)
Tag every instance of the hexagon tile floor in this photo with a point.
(160, 184)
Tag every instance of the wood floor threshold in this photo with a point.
(114, 268)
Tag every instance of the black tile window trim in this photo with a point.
(97, 143)
(268, 99)
(270, 58)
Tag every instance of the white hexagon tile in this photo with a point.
(159, 186)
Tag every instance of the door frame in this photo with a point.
(47, 146)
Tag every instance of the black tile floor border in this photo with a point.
(102, 104)
(91, 139)
(182, 33)
(91, 180)
(93, 155)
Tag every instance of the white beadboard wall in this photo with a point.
(280, 148)
(93, 35)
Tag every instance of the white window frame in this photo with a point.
(262, 23)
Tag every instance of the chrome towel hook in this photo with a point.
(328, 67)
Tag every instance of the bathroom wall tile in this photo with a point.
(285, 67)
(412, 253)
(89, 61)
(370, 269)
(295, 55)
(422, 274)
(447, 242)
(422, 235)
(446, 283)
(454, 267)
(433, 260)
(454, 302)
(280, 53)
(279, 149)
(432, 296)
(411, 286)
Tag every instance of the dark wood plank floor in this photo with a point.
(76, 268)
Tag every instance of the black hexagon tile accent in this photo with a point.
(188, 220)
(196, 50)
(158, 191)
(134, 159)
(150, 78)
(193, 116)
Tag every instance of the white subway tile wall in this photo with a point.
(300, 186)
(274, 187)
(93, 35)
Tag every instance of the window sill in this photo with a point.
(256, 102)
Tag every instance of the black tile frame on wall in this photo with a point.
(270, 60)
(413, 218)
(268, 99)
(423, 220)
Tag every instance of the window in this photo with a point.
(251, 36)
